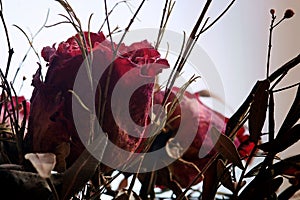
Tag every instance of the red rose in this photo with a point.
(206, 119)
(51, 119)
(17, 104)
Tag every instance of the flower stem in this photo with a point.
(270, 44)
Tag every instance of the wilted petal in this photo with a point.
(43, 163)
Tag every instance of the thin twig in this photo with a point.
(239, 185)
(164, 25)
(193, 34)
(161, 23)
(52, 187)
(279, 80)
(10, 49)
(174, 68)
(217, 19)
(110, 12)
(130, 23)
(100, 190)
(188, 46)
(132, 184)
(30, 43)
(58, 23)
(279, 22)
(271, 116)
(115, 54)
(285, 68)
(287, 87)
(108, 26)
(270, 44)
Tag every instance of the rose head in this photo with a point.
(16, 104)
(202, 147)
(13, 126)
(51, 120)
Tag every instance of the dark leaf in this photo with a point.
(264, 189)
(165, 176)
(178, 171)
(285, 68)
(282, 142)
(292, 116)
(288, 192)
(226, 148)
(235, 120)
(61, 151)
(15, 184)
(210, 182)
(270, 187)
(224, 176)
(254, 171)
(288, 166)
(258, 109)
(148, 184)
(125, 196)
(82, 170)
(123, 184)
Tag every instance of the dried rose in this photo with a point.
(17, 106)
(206, 119)
(51, 119)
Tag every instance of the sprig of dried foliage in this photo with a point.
(267, 176)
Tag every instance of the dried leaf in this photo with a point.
(178, 171)
(263, 189)
(125, 196)
(165, 178)
(235, 120)
(269, 188)
(282, 142)
(204, 93)
(288, 166)
(16, 184)
(174, 150)
(289, 192)
(11, 167)
(226, 147)
(210, 182)
(123, 184)
(83, 169)
(254, 171)
(44, 163)
(258, 110)
(62, 151)
(224, 176)
(292, 117)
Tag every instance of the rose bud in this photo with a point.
(272, 11)
(289, 13)
(17, 105)
(206, 119)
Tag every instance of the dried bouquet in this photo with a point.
(106, 109)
